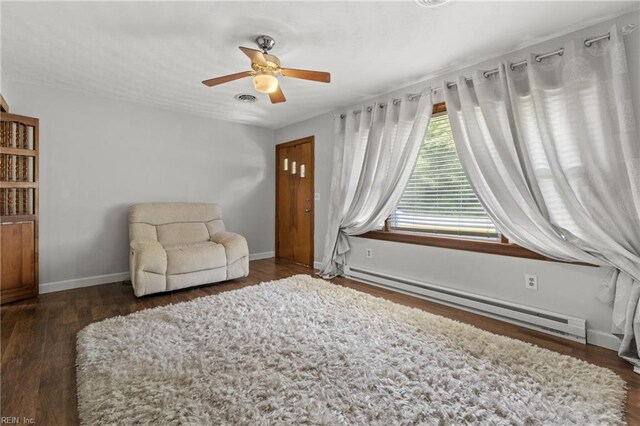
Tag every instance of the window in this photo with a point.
(439, 208)
(438, 199)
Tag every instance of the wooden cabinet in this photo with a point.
(18, 207)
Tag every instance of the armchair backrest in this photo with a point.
(174, 223)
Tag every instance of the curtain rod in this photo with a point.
(411, 97)
(627, 29)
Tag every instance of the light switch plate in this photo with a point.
(317, 196)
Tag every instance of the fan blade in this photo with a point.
(226, 78)
(256, 56)
(277, 96)
(323, 77)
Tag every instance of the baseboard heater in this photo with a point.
(556, 324)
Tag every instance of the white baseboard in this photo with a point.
(603, 339)
(263, 255)
(112, 278)
(83, 282)
(317, 265)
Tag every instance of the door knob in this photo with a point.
(307, 210)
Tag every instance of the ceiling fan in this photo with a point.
(266, 68)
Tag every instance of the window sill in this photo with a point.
(491, 247)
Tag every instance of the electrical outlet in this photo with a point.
(531, 282)
(369, 253)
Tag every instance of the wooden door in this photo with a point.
(295, 200)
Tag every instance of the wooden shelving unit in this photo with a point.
(19, 179)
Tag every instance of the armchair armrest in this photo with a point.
(235, 245)
(144, 244)
(148, 255)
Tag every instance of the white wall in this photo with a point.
(563, 288)
(98, 156)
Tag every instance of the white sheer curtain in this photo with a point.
(374, 154)
(552, 150)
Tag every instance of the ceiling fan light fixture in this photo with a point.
(264, 71)
(265, 82)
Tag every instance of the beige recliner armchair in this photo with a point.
(181, 245)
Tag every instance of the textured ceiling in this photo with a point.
(157, 53)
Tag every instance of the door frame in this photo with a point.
(311, 175)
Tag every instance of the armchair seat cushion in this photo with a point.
(183, 258)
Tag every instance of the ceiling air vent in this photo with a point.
(245, 97)
(432, 3)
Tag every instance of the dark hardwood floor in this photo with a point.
(38, 339)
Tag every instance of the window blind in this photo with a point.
(438, 198)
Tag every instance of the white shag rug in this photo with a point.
(304, 351)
